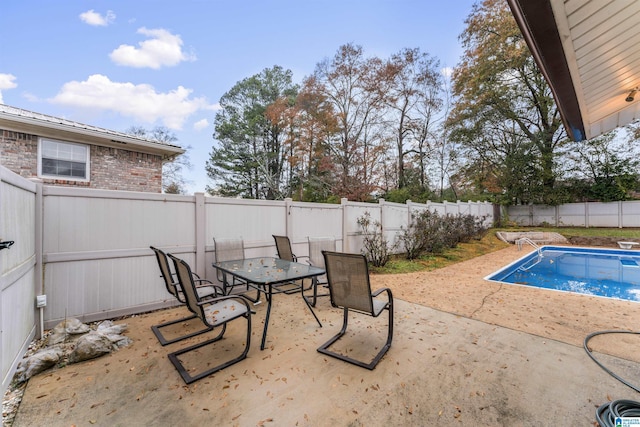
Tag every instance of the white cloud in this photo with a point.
(30, 97)
(141, 101)
(160, 49)
(201, 124)
(92, 17)
(7, 81)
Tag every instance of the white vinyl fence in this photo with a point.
(591, 214)
(18, 270)
(96, 242)
(95, 258)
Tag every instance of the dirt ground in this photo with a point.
(465, 352)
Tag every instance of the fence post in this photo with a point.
(381, 205)
(619, 214)
(408, 202)
(39, 267)
(200, 237)
(287, 217)
(586, 215)
(345, 241)
(530, 215)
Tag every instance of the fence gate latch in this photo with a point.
(6, 245)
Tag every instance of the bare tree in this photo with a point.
(411, 94)
(173, 182)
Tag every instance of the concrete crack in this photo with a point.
(485, 299)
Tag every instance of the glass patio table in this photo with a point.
(265, 274)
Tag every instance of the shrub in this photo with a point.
(422, 234)
(430, 232)
(412, 240)
(376, 248)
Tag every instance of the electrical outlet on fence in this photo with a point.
(41, 301)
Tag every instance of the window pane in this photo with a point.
(79, 153)
(48, 167)
(64, 152)
(64, 160)
(78, 169)
(49, 149)
(63, 168)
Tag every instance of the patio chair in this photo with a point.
(227, 250)
(212, 312)
(204, 291)
(316, 246)
(283, 247)
(350, 289)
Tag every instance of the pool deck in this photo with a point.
(465, 352)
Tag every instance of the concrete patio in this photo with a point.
(442, 369)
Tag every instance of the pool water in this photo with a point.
(601, 272)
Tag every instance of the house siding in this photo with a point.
(110, 168)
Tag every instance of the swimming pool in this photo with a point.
(601, 272)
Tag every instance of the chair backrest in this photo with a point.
(185, 278)
(348, 277)
(227, 250)
(283, 246)
(165, 271)
(316, 246)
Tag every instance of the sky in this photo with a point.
(122, 63)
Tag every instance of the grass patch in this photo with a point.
(464, 251)
(629, 233)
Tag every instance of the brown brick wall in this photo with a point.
(19, 153)
(110, 168)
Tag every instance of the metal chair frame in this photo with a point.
(212, 312)
(227, 250)
(316, 246)
(344, 268)
(283, 247)
(173, 287)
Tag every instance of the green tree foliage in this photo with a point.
(363, 128)
(335, 137)
(251, 156)
(599, 170)
(173, 181)
(504, 113)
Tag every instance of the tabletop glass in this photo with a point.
(267, 270)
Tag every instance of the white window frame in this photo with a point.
(64, 177)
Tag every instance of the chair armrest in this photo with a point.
(203, 283)
(217, 291)
(197, 277)
(240, 298)
(381, 290)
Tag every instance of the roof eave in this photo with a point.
(82, 135)
(538, 26)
